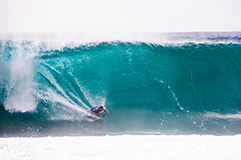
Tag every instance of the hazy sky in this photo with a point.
(119, 15)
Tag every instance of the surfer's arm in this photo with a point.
(106, 112)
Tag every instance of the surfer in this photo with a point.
(97, 110)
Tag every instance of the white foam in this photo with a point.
(59, 40)
(147, 147)
(222, 116)
(20, 74)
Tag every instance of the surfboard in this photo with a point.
(96, 117)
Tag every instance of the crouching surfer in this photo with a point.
(98, 110)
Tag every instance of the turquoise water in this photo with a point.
(192, 86)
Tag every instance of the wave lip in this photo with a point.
(155, 38)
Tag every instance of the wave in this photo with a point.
(147, 87)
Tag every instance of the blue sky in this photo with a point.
(119, 15)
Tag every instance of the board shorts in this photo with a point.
(96, 110)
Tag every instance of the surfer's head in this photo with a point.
(101, 107)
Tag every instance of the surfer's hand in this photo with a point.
(108, 112)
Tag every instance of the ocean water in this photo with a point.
(171, 96)
(161, 84)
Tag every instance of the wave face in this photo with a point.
(190, 87)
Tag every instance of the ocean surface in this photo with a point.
(161, 84)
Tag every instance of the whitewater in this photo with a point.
(170, 95)
(123, 147)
